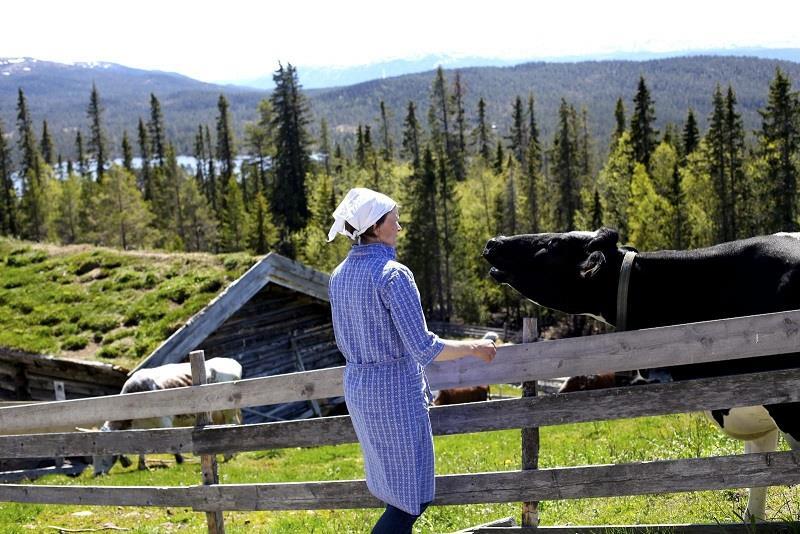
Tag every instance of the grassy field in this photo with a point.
(678, 436)
(100, 304)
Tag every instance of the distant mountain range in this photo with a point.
(60, 93)
(322, 77)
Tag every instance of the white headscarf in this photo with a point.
(362, 208)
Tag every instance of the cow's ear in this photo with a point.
(605, 239)
(593, 264)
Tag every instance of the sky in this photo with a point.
(236, 40)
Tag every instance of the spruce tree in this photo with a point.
(29, 151)
(482, 133)
(518, 138)
(127, 153)
(212, 189)
(691, 135)
(779, 145)
(619, 116)
(597, 210)
(742, 206)
(387, 150)
(145, 184)
(567, 170)
(532, 174)
(325, 145)
(47, 146)
(291, 163)
(361, 154)
(422, 247)
(411, 137)
(200, 158)
(533, 132)
(643, 134)
(459, 143)
(97, 142)
(226, 151)
(155, 128)
(716, 139)
(83, 166)
(498, 158)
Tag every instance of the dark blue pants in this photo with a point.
(396, 521)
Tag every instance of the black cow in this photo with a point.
(578, 273)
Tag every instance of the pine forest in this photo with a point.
(458, 178)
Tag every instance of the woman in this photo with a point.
(380, 329)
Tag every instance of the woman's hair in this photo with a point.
(369, 232)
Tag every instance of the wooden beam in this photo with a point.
(744, 337)
(725, 339)
(778, 527)
(670, 476)
(578, 407)
(299, 277)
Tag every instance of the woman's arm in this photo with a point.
(483, 349)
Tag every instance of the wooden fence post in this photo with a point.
(60, 395)
(530, 436)
(208, 462)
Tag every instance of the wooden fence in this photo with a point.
(745, 337)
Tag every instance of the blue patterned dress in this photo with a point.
(380, 329)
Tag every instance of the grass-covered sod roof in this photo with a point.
(92, 303)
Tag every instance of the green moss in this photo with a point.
(54, 300)
(74, 343)
(98, 323)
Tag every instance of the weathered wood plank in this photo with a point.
(238, 394)
(779, 527)
(763, 469)
(725, 339)
(762, 335)
(583, 406)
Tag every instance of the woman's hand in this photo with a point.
(484, 349)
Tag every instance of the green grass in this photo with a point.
(102, 304)
(678, 436)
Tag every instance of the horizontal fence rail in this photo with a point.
(641, 478)
(577, 407)
(777, 527)
(742, 337)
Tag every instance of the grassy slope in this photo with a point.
(102, 304)
(678, 436)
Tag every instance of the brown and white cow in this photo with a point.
(173, 375)
(579, 273)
